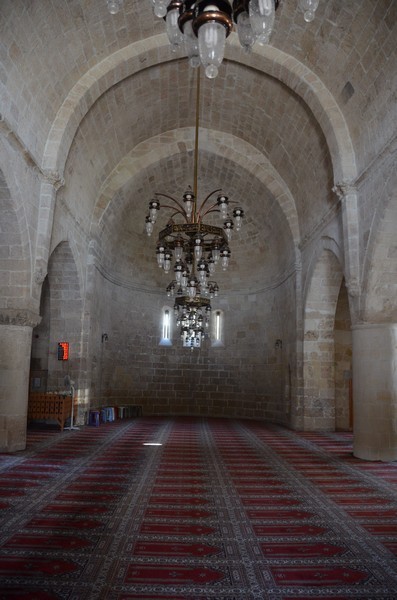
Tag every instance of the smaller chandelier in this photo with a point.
(202, 26)
(192, 250)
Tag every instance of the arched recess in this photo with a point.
(166, 145)
(319, 342)
(61, 307)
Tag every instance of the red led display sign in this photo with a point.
(63, 350)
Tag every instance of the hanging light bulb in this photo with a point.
(178, 270)
(160, 253)
(154, 207)
(178, 249)
(188, 199)
(175, 35)
(244, 29)
(216, 250)
(262, 14)
(308, 7)
(148, 225)
(167, 260)
(160, 8)
(225, 255)
(114, 6)
(170, 289)
(202, 270)
(192, 287)
(190, 39)
(228, 227)
(238, 215)
(212, 47)
(184, 279)
(212, 24)
(213, 289)
(223, 203)
(211, 265)
(198, 247)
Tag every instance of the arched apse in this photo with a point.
(65, 307)
(219, 144)
(262, 253)
(318, 343)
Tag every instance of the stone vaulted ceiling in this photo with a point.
(102, 100)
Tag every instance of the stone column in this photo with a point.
(375, 391)
(15, 349)
(51, 183)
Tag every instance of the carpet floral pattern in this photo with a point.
(222, 509)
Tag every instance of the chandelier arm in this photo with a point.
(183, 212)
(210, 210)
(213, 207)
(177, 211)
(206, 200)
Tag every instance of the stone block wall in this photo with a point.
(247, 376)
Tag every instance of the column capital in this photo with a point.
(54, 178)
(39, 275)
(19, 317)
(353, 287)
(344, 188)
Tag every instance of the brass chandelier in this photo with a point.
(202, 26)
(196, 247)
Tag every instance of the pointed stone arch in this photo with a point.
(165, 145)
(65, 307)
(156, 50)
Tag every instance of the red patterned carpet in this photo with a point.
(227, 510)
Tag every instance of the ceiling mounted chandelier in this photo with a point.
(196, 247)
(202, 26)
